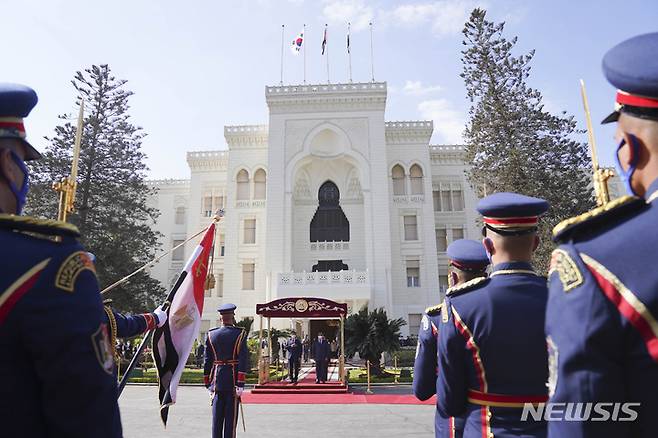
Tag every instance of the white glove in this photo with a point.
(211, 390)
(238, 391)
(162, 316)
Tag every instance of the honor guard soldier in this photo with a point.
(57, 365)
(601, 324)
(468, 261)
(492, 350)
(226, 363)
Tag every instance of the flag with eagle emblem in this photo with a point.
(172, 343)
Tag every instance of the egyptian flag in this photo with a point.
(296, 45)
(324, 39)
(172, 343)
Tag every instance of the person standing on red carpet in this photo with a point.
(321, 351)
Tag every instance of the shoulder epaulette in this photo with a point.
(605, 214)
(467, 287)
(434, 310)
(214, 328)
(36, 225)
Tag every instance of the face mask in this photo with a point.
(19, 194)
(627, 175)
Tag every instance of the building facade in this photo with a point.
(328, 200)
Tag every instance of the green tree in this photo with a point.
(370, 334)
(512, 143)
(111, 206)
(275, 335)
(246, 323)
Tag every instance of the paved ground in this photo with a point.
(190, 417)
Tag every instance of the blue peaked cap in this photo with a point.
(226, 308)
(16, 102)
(632, 67)
(511, 213)
(467, 254)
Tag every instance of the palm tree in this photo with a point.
(245, 323)
(276, 334)
(370, 334)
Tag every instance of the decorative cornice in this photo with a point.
(414, 131)
(208, 160)
(447, 154)
(168, 183)
(326, 97)
(246, 136)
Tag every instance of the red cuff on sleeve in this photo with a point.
(241, 376)
(151, 321)
(206, 380)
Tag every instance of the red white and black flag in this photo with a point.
(172, 343)
(324, 39)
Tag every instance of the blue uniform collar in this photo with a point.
(512, 268)
(652, 192)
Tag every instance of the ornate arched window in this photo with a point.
(329, 222)
(242, 192)
(260, 184)
(397, 173)
(416, 178)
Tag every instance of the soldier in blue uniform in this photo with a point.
(57, 366)
(603, 304)
(226, 363)
(468, 262)
(492, 350)
(294, 349)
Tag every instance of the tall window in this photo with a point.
(329, 224)
(249, 231)
(248, 276)
(449, 197)
(457, 199)
(457, 233)
(397, 173)
(219, 285)
(222, 245)
(207, 206)
(436, 198)
(179, 253)
(443, 282)
(413, 273)
(180, 216)
(441, 240)
(242, 193)
(260, 181)
(414, 323)
(218, 202)
(416, 178)
(410, 228)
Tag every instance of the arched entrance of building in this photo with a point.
(322, 315)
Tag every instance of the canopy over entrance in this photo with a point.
(302, 308)
(298, 307)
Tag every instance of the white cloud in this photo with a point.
(446, 17)
(341, 12)
(448, 122)
(416, 88)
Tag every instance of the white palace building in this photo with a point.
(328, 200)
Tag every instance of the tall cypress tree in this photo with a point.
(512, 143)
(111, 207)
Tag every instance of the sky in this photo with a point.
(197, 66)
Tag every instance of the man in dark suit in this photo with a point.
(294, 349)
(321, 350)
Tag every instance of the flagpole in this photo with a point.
(327, 47)
(372, 62)
(349, 50)
(304, 49)
(283, 26)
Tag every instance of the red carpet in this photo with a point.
(335, 399)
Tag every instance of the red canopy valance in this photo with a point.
(302, 307)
